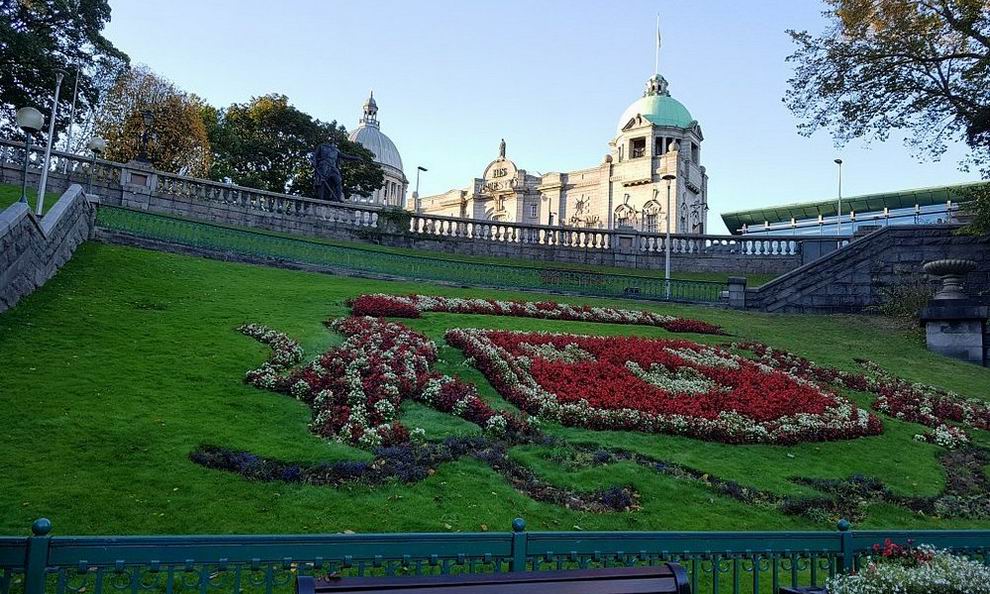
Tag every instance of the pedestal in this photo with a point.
(957, 328)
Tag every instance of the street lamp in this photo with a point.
(666, 264)
(148, 118)
(43, 185)
(838, 222)
(30, 121)
(96, 146)
(419, 168)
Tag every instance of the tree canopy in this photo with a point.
(178, 139)
(38, 37)
(266, 142)
(921, 66)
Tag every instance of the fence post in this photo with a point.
(737, 292)
(36, 559)
(518, 545)
(846, 542)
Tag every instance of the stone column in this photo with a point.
(955, 325)
(737, 292)
(138, 182)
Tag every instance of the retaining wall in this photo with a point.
(32, 250)
(861, 273)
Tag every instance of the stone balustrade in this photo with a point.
(134, 185)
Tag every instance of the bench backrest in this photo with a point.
(668, 577)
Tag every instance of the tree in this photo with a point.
(266, 143)
(179, 141)
(37, 37)
(921, 66)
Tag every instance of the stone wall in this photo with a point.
(33, 250)
(858, 275)
(136, 186)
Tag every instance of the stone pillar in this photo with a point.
(957, 328)
(737, 292)
(138, 182)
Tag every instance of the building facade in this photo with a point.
(923, 206)
(656, 147)
(369, 135)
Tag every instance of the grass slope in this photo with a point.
(128, 359)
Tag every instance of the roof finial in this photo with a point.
(501, 149)
(370, 111)
(657, 61)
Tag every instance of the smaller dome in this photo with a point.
(371, 138)
(658, 107)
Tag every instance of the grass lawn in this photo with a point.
(128, 359)
(10, 194)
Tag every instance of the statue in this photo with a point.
(501, 149)
(326, 171)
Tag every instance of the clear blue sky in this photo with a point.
(551, 76)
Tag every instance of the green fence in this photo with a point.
(253, 245)
(737, 562)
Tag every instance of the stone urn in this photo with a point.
(952, 271)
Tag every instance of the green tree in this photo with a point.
(266, 143)
(37, 37)
(178, 135)
(918, 66)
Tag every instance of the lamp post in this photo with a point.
(666, 252)
(43, 185)
(419, 168)
(96, 146)
(30, 121)
(838, 222)
(148, 118)
(72, 120)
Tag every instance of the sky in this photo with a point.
(552, 77)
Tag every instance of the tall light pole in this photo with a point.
(666, 252)
(838, 222)
(72, 120)
(43, 185)
(419, 168)
(148, 119)
(30, 121)
(96, 146)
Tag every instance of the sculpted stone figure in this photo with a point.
(326, 169)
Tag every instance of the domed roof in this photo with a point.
(371, 138)
(368, 135)
(657, 106)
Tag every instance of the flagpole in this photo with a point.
(657, 62)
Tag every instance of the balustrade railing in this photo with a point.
(736, 562)
(362, 215)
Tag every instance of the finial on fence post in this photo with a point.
(36, 557)
(41, 527)
(518, 545)
(846, 544)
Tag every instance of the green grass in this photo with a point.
(10, 194)
(128, 359)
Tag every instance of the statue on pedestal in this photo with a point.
(326, 171)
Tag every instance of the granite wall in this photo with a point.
(32, 250)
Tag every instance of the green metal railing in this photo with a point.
(264, 246)
(737, 562)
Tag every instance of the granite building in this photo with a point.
(655, 137)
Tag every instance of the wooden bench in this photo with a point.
(669, 577)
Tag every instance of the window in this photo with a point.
(695, 153)
(650, 222)
(637, 148)
(533, 210)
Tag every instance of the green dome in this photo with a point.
(660, 110)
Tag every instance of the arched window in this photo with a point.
(651, 217)
(625, 216)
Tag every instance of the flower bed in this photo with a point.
(356, 389)
(411, 306)
(919, 403)
(664, 386)
(897, 569)
(285, 354)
